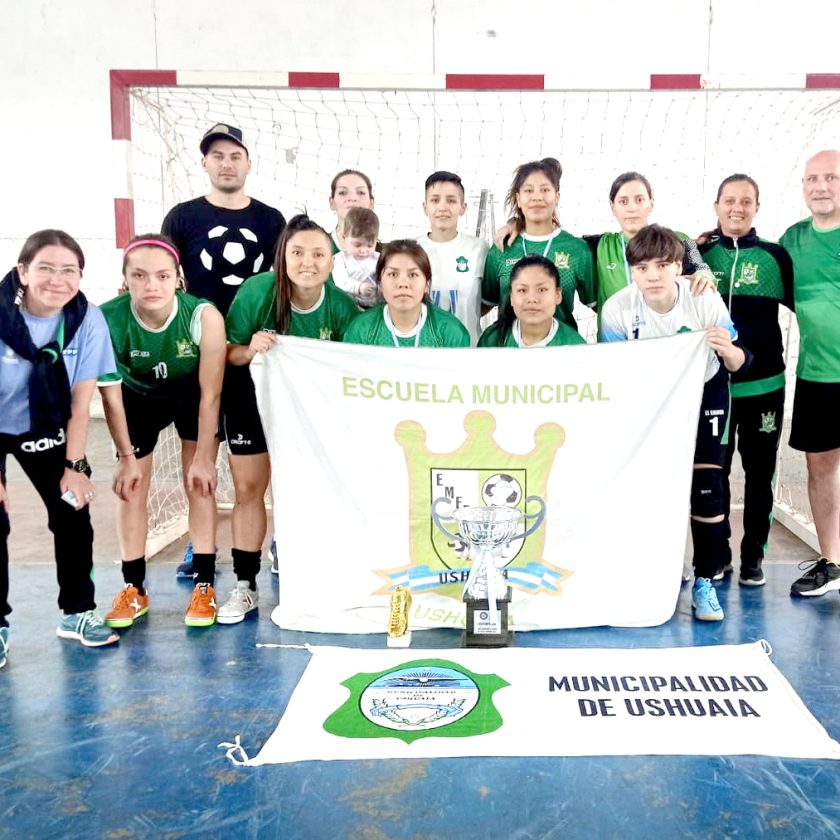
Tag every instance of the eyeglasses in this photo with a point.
(65, 272)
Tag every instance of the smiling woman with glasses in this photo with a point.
(53, 346)
(65, 272)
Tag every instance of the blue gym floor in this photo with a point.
(121, 743)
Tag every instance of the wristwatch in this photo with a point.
(79, 466)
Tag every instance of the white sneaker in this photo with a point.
(242, 600)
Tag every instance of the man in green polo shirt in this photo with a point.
(814, 245)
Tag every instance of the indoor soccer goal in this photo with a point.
(684, 141)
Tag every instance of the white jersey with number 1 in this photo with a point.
(627, 317)
(457, 270)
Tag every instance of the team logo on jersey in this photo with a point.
(325, 334)
(561, 259)
(768, 422)
(10, 357)
(186, 349)
(418, 699)
(479, 472)
(683, 329)
(749, 274)
(233, 253)
(462, 264)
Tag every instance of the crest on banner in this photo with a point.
(479, 472)
(418, 699)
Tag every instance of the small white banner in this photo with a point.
(719, 700)
(363, 440)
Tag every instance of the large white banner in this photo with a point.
(363, 439)
(717, 700)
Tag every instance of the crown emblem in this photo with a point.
(479, 472)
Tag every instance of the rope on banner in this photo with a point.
(766, 646)
(232, 749)
(236, 749)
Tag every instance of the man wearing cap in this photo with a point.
(227, 236)
(224, 238)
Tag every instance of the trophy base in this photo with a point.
(481, 630)
(403, 641)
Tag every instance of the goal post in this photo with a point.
(684, 132)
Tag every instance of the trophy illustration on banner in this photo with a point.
(486, 592)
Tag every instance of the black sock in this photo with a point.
(246, 565)
(710, 545)
(204, 567)
(134, 573)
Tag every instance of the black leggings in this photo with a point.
(42, 459)
(756, 423)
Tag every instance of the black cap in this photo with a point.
(221, 131)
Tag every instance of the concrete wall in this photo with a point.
(55, 119)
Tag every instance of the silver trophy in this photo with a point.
(487, 528)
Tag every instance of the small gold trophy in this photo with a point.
(399, 636)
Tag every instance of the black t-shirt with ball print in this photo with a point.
(221, 248)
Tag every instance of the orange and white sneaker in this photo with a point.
(202, 609)
(128, 606)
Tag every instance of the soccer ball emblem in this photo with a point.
(501, 489)
(232, 254)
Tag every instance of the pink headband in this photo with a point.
(156, 243)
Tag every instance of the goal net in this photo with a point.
(685, 142)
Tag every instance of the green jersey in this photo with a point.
(571, 256)
(613, 272)
(754, 278)
(559, 335)
(162, 361)
(255, 308)
(436, 328)
(816, 293)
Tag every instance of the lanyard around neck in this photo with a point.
(624, 255)
(421, 319)
(547, 244)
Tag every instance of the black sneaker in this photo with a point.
(821, 577)
(720, 574)
(751, 574)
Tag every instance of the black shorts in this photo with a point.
(148, 415)
(816, 407)
(242, 424)
(713, 423)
